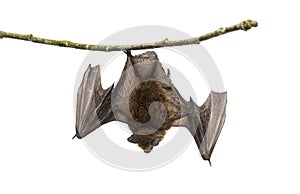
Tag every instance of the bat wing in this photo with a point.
(93, 103)
(205, 123)
(96, 106)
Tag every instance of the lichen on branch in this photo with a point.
(244, 25)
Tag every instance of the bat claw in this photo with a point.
(128, 52)
(74, 136)
(209, 162)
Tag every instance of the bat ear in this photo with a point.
(131, 139)
(213, 123)
(156, 141)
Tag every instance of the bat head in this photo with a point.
(147, 142)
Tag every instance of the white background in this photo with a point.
(257, 152)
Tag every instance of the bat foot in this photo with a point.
(128, 52)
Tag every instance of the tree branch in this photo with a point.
(244, 25)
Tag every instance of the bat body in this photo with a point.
(149, 103)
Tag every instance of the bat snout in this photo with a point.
(148, 150)
(148, 142)
(146, 146)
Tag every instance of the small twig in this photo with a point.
(244, 25)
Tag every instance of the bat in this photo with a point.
(146, 99)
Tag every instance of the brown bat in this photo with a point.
(149, 103)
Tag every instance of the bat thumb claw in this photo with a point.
(209, 162)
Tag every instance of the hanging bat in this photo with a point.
(149, 103)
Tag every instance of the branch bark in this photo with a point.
(244, 25)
